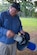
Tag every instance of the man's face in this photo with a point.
(13, 11)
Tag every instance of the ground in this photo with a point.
(29, 25)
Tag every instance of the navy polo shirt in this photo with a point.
(8, 22)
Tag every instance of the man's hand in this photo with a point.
(10, 34)
(22, 32)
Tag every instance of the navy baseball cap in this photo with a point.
(16, 5)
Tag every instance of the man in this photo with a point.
(10, 25)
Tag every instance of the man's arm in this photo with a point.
(4, 31)
(21, 29)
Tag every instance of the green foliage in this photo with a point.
(35, 14)
(27, 8)
(3, 7)
(11, 1)
(36, 3)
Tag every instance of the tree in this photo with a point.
(35, 3)
(35, 14)
(11, 1)
(27, 8)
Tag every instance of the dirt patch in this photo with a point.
(26, 52)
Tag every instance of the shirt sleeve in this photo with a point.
(20, 27)
(2, 29)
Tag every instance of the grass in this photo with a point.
(29, 24)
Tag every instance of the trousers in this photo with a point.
(8, 49)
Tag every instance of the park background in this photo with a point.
(28, 17)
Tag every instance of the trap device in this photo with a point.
(23, 42)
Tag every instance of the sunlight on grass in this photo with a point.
(32, 22)
(29, 24)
